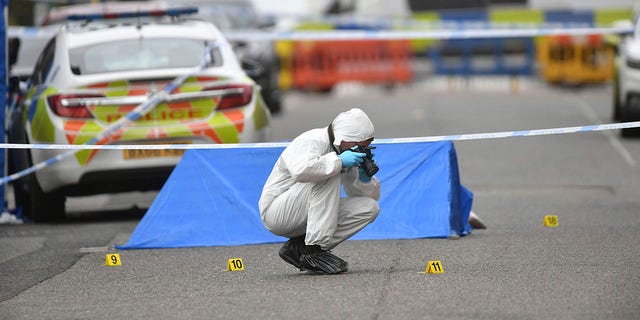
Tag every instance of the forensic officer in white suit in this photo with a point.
(301, 199)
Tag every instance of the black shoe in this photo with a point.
(316, 260)
(292, 250)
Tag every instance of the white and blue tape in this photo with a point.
(427, 34)
(30, 32)
(457, 137)
(72, 149)
(444, 31)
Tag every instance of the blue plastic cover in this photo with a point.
(211, 198)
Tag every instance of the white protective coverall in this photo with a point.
(303, 196)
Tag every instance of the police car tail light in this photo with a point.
(234, 96)
(72, 105)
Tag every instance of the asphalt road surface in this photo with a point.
(585, 268)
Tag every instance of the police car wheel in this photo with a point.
(41, 206)
(45, 207)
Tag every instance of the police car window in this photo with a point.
(43, 64)
(139, 54)
(30, 47)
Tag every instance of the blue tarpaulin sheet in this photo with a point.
(211, 198)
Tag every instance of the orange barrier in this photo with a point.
(575, 59)
(321, 65)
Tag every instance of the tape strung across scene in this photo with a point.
(123, 122)
(426, 34)
(434, 32)
(72, 149)
(457, 137)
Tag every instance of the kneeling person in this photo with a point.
(301, 199)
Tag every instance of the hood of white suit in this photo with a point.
(353, 126)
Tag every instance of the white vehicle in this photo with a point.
(227, 15)
(626, 100)
(88, 77)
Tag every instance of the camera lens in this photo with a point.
(370, 168)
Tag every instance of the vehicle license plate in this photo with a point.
(129, 154)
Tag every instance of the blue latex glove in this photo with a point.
(351, 158)
(363, 176)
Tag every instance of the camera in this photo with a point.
(369, 166)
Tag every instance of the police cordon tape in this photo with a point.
(72, 149)
(445, 32)
(425, 34)
(455, 137)
(126, 120)
(474, 136)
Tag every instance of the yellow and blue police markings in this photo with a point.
(167, 120)
(42, 129)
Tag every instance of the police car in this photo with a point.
(90, 75)
(227, 15)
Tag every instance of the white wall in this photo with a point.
(382, 8)
(316, 7)
(291, 7)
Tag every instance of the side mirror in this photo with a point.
(13, 49)
(253, 68)
(14, 84)
(238, 45)
(266, 22)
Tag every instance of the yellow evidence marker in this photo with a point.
(550, 221)
(433, 266)
(113, 260)
(235, 264)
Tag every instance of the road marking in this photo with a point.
(93, 249)
(614, 140)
